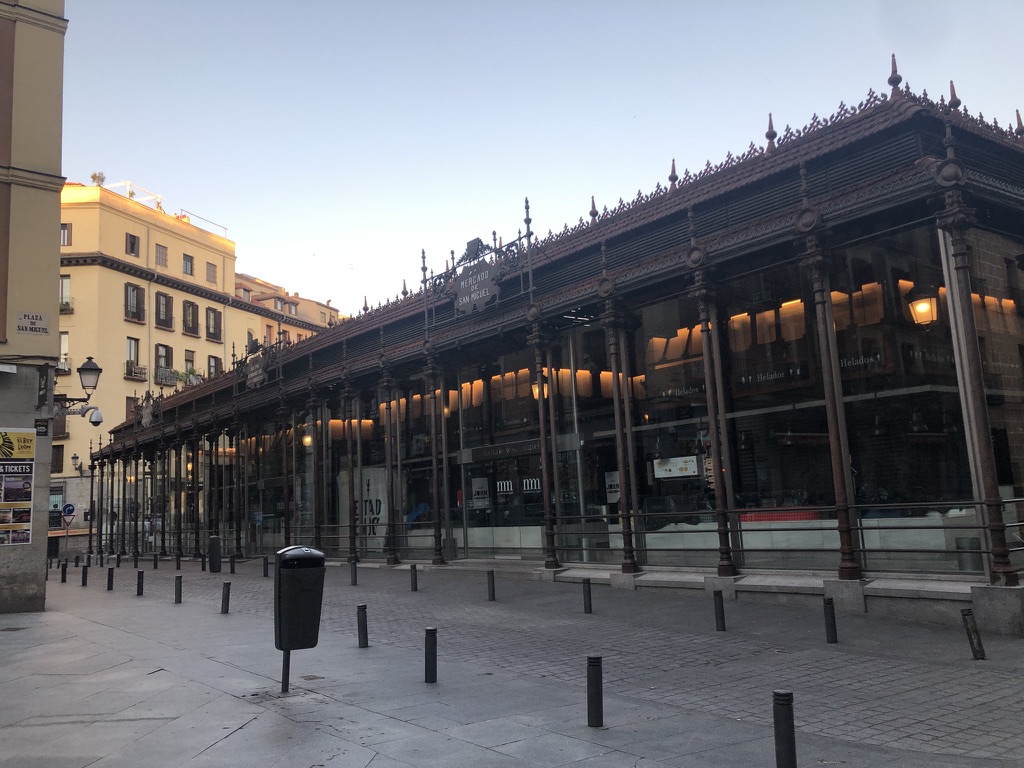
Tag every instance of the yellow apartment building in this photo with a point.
(155, 300)
(31, 93)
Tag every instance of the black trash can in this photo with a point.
(298, 595)
(214, 554)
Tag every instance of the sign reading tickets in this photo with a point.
(17, 470)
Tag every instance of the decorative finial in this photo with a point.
(1020, 126)
(405, 291)
(895, 79)
(366, 306)
(954, 102)
(593, 210)
(604, 257)
(949, 143)
(673, 178)
(770, 134)
(423, 263)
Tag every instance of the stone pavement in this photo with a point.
(112, 679)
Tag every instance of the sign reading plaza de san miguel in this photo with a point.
(17, 465)
(476, 287)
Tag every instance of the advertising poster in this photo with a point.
(17, 465)
(372, 517)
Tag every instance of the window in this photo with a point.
(161, 255)
(129, 408)
(213, 366)
(164, 356)
(211, 272)
(298, 337)
(246, 294)
(134, 303)
(213, 324)
(131, 244)
(323, 317)
(293, 309)
(57, 460)
(188, 265)
(67, 307)
(64, 362)
(190, 318)
(268, 339)
(131, 350)
(132, 369)
(164, 311)
(60, 425)
(190, 360)
(278, 304)
(65, 234)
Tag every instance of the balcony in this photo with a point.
(63, 366)
(165, 377)
(134, 371)
(67, 305)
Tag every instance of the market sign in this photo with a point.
(475, 288)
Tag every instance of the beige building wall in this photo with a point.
(31, 94)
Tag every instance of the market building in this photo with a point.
(807, 359)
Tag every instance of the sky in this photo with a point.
(336, 140)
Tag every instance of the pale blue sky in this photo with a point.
(335, 139)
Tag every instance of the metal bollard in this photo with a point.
(490, 586)
(364, 641)
(973, 637)
(430, 656)
(110, 578)
(830, 621)
(101, 561)
(118, 560)
(88, 558)
(85, 575)
(353, 577)
(135, 560)
(225, 596)
(413, 585)
(785, 732)
(266, 566)
(177, 561)
(177, 589)
(138, 586)
(231, 563)
(719, 610)
(64, 572)
(595, 696)
(76, 560)
(202, 562)
(587, 605)
(156, 561)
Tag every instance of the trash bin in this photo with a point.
(298, 594)
(213, 551)
(967, 561)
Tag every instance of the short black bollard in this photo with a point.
(785, 732)
(202, 562)
(719, 610)
(135, 560)
(225, 596)
(413, 585)
(138, 586)
(430, 656)
(830, 621)
(76, 560)
(88, 558)
(101, 560)
(85, 575)
(588, 606)
(64, 572)
(973, 637)
(266, 566)
(177, 561)
(595, 696)
(353, 575)
(177, 589)
(231, 563)
(490, 586)
(110, 578)
(156, 561)
(118, 563)
(364, 641)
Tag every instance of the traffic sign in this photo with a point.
(68, 509)
(68, 520)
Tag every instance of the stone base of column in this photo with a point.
(724, 584)
(622, 580)
(999, 610)
(847, 595)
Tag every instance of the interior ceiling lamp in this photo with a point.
(924, 304)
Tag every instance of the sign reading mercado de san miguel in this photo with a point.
(475, 288)
(17, 465)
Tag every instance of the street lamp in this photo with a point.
(89, 376)
(924, 304)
